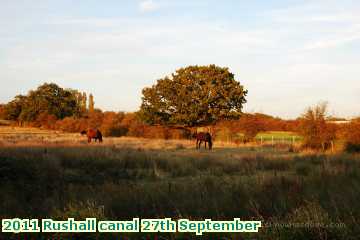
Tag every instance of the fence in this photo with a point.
(290, 140)
(265, 138)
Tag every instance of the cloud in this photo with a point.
(315, 26)
(148, 6)
(316, 12)
(294, 51)
(332, 43)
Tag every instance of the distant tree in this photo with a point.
(356, 119)
(332, 118)
(83, 103)
(194, 95)
(80, 104)
(317, 133)
(2, 111)
(48, 98)
(91, 103)
(13, 108)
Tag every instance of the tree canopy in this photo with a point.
(48, 98)
(194, 95)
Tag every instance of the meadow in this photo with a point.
(296, 195)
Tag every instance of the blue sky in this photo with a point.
(289, 54)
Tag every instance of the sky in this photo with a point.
(288, 54)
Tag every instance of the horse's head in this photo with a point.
(83, 132)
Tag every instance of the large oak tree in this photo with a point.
(194, 95)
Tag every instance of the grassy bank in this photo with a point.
(296, 196)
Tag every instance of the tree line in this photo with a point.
(191, 97)
(47, 99)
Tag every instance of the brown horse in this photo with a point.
(203, 137)
(92, 134)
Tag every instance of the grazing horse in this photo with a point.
(200, 137)
(92, 134)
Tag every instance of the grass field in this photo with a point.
(278, 135)
(296, 195)
(269, 137)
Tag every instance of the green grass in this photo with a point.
(278, 136)
(107, 182)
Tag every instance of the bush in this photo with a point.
(352, 147)
(248, 124)
(111, 124)
(2, 111)
(71, 124)
(316, 132)
(155, 132)
(352, 136)
(45, 120)
(181, 133)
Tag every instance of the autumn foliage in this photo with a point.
(2, 111)
(193, 96)
(248, 126)
(316, 131)
(352, 136)
(52, 107)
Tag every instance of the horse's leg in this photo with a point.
(200, 143)
(89, 139)
(205, 144)
(197, 144)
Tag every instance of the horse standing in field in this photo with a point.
(203, 137)
(92, 134)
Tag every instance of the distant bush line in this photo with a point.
(69, 110)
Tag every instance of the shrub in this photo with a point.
(111, 124)
(133, 124)
(352, 147)
(155, 132)
(248, 124)
(178, 133)
(71, 124)
(352, 136)
(2, 111)
(316, 132)
(95, 119)
(45, 120)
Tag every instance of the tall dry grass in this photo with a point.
(297, 196)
